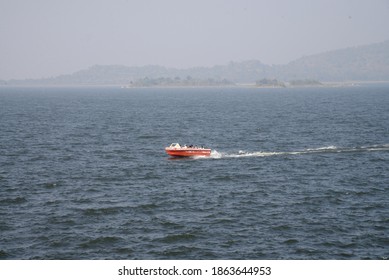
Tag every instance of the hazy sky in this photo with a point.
(43, 38)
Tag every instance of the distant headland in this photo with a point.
(363, 63)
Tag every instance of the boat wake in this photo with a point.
(330, 149)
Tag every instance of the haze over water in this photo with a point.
(42, 39)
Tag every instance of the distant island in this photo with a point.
(363, 63)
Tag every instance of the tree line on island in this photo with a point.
(179, 82)
(293, 83)
(195, 82)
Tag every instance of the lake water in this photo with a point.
(294, 173)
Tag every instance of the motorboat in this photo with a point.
(176, 150)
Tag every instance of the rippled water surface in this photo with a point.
(294, 173)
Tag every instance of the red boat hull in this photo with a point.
(187, 152)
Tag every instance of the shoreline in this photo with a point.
(237, 85)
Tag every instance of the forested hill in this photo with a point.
(364, 63)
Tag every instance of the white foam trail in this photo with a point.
(253, 154)
(328, 149)
(323, 148)
(384, 147)
(216, 154)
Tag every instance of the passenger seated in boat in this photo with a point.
(175, 145)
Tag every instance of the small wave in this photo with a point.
(3, 255)
(327, 149)
(11, 201)
(147, 206)
(100, 242)
(181, 251)
(291, 241)
(49, 185)
(171, 225)
(172, 238)
(148, 137)
(101, 211)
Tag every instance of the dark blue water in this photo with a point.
(295, 173)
